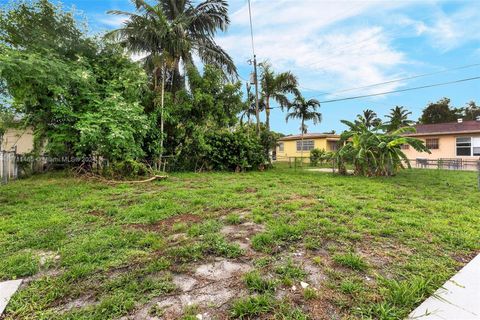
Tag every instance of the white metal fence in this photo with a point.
(8, 166)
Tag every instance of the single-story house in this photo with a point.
(291, 146)
(453, 140)
(20, 140)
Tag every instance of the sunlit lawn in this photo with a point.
(378, 245)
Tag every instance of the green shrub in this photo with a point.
(233, 151)
(316, 156)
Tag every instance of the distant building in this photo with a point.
(20, 140)
(291, 146)
(453, 140)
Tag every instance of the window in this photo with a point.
(307, 145)
(432, 143)
(405, 146)
(476, 146)
(333, 145)
(464, 146)
(281, 147)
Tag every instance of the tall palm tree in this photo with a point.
(170, 33)
(276, 86)
(179, 29)
(398, 118)
(305, 110)
(368, 118)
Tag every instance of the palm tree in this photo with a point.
(398, 118)
(276, 87)
(374, 153)
(170, 33)
(368, 118)
(179, 29)
(305, 110)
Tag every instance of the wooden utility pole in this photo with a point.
(255, 75)
(257, 109)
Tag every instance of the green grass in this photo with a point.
(118, 246)
(351, 260)
(256, 283)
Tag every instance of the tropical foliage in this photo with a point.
(372, 152)
(305, 110)
(398, 118)
(277, 87)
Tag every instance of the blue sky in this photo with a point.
(336, 45)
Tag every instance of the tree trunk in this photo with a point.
(267, 113)
(301, 150)
(162, 105)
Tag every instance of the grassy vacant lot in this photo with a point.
(235, 245)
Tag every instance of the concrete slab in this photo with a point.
(7, 290)
(459, 297)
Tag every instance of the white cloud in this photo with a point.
(300, 36)
(112, 20)
(449, 31)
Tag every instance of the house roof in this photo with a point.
(311, 136)
(446, 128)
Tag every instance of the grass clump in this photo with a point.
(252, 307)
(350, 286)
(351, 260)
(233, 218)
(256, 283)
(399, 298)
(290, 272)
(310, 294)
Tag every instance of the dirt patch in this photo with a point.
(80, 302)
(210, 287)
(250, 190)
(221, 270)
(166, 224)
(242, 234)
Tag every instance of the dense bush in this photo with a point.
(237, 151)
(316, 156)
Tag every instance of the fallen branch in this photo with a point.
(142, 181)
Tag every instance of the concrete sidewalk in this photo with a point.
(458, 299)
(7, 290)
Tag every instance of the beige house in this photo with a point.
(291, 146)
(20, 140)
(453, 140)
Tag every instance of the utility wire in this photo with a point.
(395, 91)
(401, 90)
(397, 80)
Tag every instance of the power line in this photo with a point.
(397, 80)
(401, 90)
(396, 91)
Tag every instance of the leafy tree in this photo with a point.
(440, 112)
(369, 119)
(471, 111)
(179, 29)
(211, 105)
(373, 153)
(276, 86)
(55, 95)
(398, 118)
(41, 26)
(305, 110)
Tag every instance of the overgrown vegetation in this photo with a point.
(367, 247)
